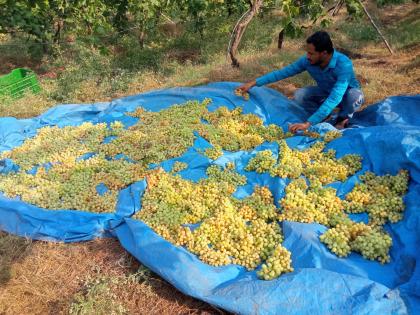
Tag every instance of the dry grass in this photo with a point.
(385, 76)
(48, 280)
(29, 106)
(12, 250)
(380, 74)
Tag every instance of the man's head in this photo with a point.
(319, 48)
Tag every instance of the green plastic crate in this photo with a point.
(18, 82)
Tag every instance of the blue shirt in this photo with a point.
(333, 79)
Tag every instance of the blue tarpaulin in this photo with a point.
(386, 135)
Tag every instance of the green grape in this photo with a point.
(234, 131)
(72, 185)
(216, 174)
(352, 162)
(271, 132)
(348, 236)
(259, 204)
(263, 162)
(159, 136)
(312, 162)
(311, 134)
(279, 262)
(54, 144)
(309, 204)
(178, 166)
(230, 165)
(380, 197)
(332, 135)
(245, 95)
(337, 240)
(373, 245)
(231, 231)
(338, 219)
(213, 153)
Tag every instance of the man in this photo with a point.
(333, 72)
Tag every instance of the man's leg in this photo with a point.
(352, 101)
(310, 98)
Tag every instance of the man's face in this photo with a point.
(315, 57)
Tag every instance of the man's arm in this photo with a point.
(335, 97)
(288, 71)
(294, 68)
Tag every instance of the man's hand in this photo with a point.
(301, 126)
(247, 86)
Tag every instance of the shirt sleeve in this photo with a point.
(335, 97)
(297, 67)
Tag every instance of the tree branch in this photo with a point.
(239, 30)
(376, 28)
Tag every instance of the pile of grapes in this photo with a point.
(242, 232)
(234, 131)
(54, 175)
(382, 198)
(63, 168)
(313, 163)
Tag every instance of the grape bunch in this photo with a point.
(332, 135)
(279, 262)
(213, 153)
(380, 196)
(178, 167)
(159, 136)
(262, 162)
(234, 131)
(371, 242)
(226, 175)
(230, 230)
(260, 204)
(337, 240)
(309, 203)
(328, 170)
(311, 134)
(373, 245)
(56, 145)
(245, 95)
(313, 163)
(327, 137)
(72, 184)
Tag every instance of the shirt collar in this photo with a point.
(332, 62)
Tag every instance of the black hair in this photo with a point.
(322, 41)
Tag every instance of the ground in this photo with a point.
(49, 278)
